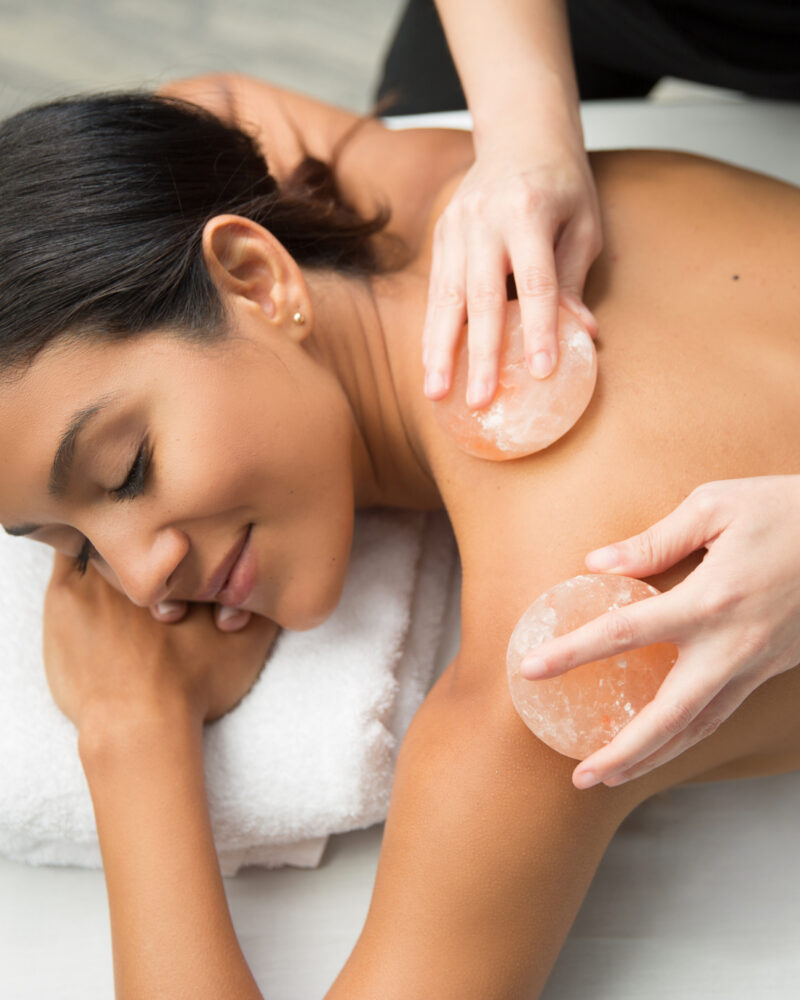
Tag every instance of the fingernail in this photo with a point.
(541, 365)
(586, 780)
(434, 383)
(167, 607)
(533, 667)
(607, 558)
(226, 613)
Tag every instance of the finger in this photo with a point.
(531, 255)
(575, 251)
(580, 311)
(666, 716)
(486, 309)
(663, 618)
(446, 310)
(717, 711)
(689, 527)
(231, 619)
(169, 611)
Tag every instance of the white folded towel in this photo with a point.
(308, 752)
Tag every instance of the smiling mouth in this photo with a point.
(223, 572)
(242, 577)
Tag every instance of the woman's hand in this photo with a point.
(735, 619)
(103, 652)
(227, 619)
(528, 209)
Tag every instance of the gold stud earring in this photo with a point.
(299, 318)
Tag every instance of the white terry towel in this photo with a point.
(308, 752)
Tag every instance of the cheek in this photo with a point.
(311, 561)
(108, 575)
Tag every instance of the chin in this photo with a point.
(303, 621)
(310, 611)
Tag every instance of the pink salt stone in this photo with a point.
(578, 712)
(527, 413)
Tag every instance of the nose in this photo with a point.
(146, 567)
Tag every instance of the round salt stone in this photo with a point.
(527, 414)
(581, 710)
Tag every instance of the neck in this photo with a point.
(365, 334)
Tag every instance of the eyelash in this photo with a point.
(129, 490)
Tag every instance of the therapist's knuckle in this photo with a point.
(521, 198)
(534, 281)
(592, 239)
(648, 547)
(619, 630)
(706, 499)
(474, 204)
(484, 298)
(587, 231)
(676, 718)
(707, 726)
(447, 294)
(722, 599)
(752, 642)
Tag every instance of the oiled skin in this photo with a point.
(489, 849)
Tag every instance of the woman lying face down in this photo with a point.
(259, 371)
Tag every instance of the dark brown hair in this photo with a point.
(103, 201)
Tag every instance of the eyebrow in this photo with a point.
(61, 469)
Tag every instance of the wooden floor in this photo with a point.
(329, 48)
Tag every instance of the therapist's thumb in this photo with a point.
(683, 531)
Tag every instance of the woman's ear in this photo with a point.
(245, 261)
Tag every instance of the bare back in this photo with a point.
(696, 294)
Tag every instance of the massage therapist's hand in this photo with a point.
(103, 653)
(529, 209)
(735, 619)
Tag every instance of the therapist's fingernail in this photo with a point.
(585, 780)
(168, 607)
(542, 364)
(533, 667)
(603, 559)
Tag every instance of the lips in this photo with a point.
(223, 571)
(242, 578)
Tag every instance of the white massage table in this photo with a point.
(698, 896)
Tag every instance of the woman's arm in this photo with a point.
(138, 693)
(171, 930)
(487, 853)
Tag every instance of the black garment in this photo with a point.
(621, 49)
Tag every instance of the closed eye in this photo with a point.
(135, 482)
(134, 485)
